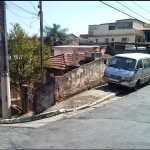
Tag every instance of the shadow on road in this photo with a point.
(112, 88)
(115, 88)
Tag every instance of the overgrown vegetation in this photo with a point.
(25, 57)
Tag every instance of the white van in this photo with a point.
(130, 70)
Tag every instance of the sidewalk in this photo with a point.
(80, 101)
(86, 97)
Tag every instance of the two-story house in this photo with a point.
(126, 30)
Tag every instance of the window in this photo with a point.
(146, 63)
(106, 40)
(113, 61)
(112, 27)
(125, 24)
(123, 63)
(124, 39)
(96, 40)
(112, 39)
(139, 65)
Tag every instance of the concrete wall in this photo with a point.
(130, 38)
(59, 88)
(80, 79)
(44, 96)
(71, 50)
(137, 24)
(104, 30)
(101, 32)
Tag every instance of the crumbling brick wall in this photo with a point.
(80, 79)
(59, 88)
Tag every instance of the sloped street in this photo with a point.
(123, 123)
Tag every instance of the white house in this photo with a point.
(126, 30)
(72, 49)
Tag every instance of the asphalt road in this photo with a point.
(121, 124)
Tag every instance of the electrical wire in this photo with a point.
(17, 9)
(119, 10)
(137, 10)
(140, 7)
(33, 21)
(27, 12)
(33, 6)
(22, 16)
(46, 23)
(18, 18)
(131, 10)
(117, 7)
(23, 9)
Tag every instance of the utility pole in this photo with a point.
(41, 38)
(5, 79)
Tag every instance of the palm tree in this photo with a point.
(55, 36)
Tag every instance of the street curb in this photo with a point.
(56, 112)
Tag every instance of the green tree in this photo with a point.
(25, 57)
(55, 36)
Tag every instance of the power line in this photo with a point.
(46, 23)
(137, 10)
(33, 21)
(23, 9)
(19, 9)
(37, 11)
(22, 16)
(119, 10)
(140, 7)
(131, 10)
(33, 6)
(116, 7)
(19, 18)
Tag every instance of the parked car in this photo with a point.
(133, 47)
(130, 70)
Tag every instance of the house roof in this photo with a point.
(71, 34)
(63, 61)
(78, 46)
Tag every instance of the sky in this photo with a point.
(74, 15)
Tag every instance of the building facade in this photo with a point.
(126, 30)
(70, 49)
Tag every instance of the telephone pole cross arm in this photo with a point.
(5, 79)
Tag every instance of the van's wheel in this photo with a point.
(137, 85)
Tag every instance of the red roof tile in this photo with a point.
(63, 61)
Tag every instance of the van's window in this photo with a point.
(139, 64)
(146, 63)
(123, 63)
